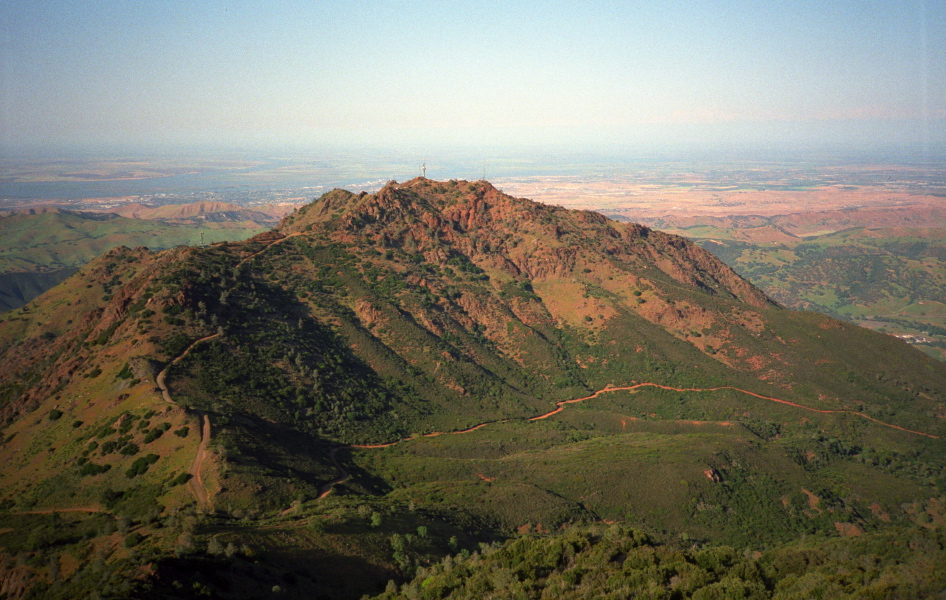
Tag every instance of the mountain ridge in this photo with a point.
(41, 246)
(443, 218)
(438, 306)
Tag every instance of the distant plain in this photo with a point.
(875, 227)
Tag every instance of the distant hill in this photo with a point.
(892, 278)
(383, 380)
(39, 247)
(814, 222)
(196, 213)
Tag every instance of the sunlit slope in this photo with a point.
(435, 307)
(884, 277)
(39, 249)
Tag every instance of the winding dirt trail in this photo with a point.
(343, 474)
(196, 482)
(162, 376)
(561, 405)
(326, 488)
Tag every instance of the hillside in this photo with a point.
(384, 379)
(889, 278)
(39, 248)
(196, 213)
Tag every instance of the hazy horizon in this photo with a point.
(93, 78)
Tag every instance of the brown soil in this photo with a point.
(196, 482)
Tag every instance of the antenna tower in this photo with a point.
(423, 171)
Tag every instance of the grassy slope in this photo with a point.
(327, 338)
(39, 243)
(895, 277)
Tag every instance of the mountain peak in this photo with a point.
(516, 236)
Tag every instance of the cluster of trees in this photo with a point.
(615, 562)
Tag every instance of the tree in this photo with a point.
(215, 547)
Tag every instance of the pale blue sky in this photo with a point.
(770, 73)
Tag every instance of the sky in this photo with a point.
(549, 74)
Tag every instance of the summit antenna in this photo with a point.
(423, 171)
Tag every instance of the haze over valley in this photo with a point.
(472, 300)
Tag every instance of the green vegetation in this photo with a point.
(891, 279)
(40, 250)
(353, 401)
(614, 562)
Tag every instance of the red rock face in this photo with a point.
(517, 236)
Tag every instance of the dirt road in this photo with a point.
(196, 482)
(326, 489)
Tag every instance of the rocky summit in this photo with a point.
(390, 385)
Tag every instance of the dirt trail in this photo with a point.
(267, 247)
(196, 482)
(343, 474)
(162, 376)
(49, 511)
(561, 405)
(326, 489)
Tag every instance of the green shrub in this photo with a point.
(140, 466)
(91, 468)
(129, 449)
(125, 373)
(180, 479)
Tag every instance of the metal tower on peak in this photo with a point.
(423, 171)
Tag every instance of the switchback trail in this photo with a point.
(343, 474)
(196, 482)
(326, 489)
(159, 380)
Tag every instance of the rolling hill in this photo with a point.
(41, 247)
(386, 379)
(888, 278)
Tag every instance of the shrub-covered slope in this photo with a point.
(41, 247)
(257, 376)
